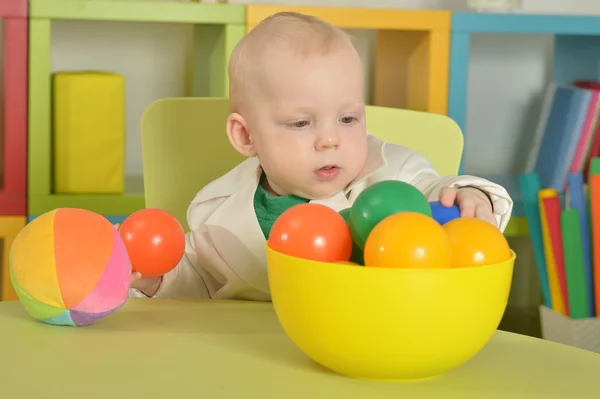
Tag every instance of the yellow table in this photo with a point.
(210, 350)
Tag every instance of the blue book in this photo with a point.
(530, 186)
(562, 130)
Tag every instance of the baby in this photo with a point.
(298, 114)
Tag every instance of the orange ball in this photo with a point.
(312, 231)
(476, 242)
(408, 240)
(155, 241)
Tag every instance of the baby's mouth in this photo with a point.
(328, 167)
(328, 172)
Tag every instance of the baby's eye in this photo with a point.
(299, 124)
(348, 119)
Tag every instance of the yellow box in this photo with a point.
(10, 226)
(88, 132)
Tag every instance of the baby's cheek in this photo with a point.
(288, 165)
(358, 154)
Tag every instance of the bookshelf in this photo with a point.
(411, 61)
(217, 29)
(576, 56)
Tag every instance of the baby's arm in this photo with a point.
(147, 285)
(184, 280)
(417, 170)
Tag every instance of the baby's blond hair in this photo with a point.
(305, 35)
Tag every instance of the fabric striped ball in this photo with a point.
(70, 267)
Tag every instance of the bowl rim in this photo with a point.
(461, 269)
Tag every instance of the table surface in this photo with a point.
(155, 348)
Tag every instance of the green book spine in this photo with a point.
(574, 265)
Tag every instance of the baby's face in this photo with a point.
(308, 123)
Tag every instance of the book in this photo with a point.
(559, 134)
(593, 149)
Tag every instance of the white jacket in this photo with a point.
(225, 255)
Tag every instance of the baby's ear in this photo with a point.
(239, 136)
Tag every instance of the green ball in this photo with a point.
(357, 254)
(381, 200)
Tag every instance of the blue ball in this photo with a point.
(442, 214)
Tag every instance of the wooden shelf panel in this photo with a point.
(13, 8)
(12, 204)
(13, 186)
(412, 46)
(103, 204)
(526, 23)
(411, 70)
(138, 11)
(360, 18)
(10, 226)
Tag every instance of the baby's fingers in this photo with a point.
(135, 277)
(483, 212)
(447, 196)
(467, 207)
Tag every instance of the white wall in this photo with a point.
(152, 59)
(507, 77)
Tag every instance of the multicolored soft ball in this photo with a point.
(70, 267)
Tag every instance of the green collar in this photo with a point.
(269, 207)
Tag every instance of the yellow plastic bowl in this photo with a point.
(388, 324)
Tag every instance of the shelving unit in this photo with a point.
(217, 29)
(13, 173)
(576, 56)
(411, 66)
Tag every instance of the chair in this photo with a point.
(184, 145)
(435, 136)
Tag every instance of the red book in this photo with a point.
(594, 148)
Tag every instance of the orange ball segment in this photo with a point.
(155, 241)
(408, 240)
(476, 242)
(312, 231)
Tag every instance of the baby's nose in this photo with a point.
(327, 141)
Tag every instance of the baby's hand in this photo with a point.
(472, 203)
(148, 285)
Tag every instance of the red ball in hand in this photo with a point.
(312, 231)
(155, 241)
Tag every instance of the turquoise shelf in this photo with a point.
(525, 23)
(576, 56)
